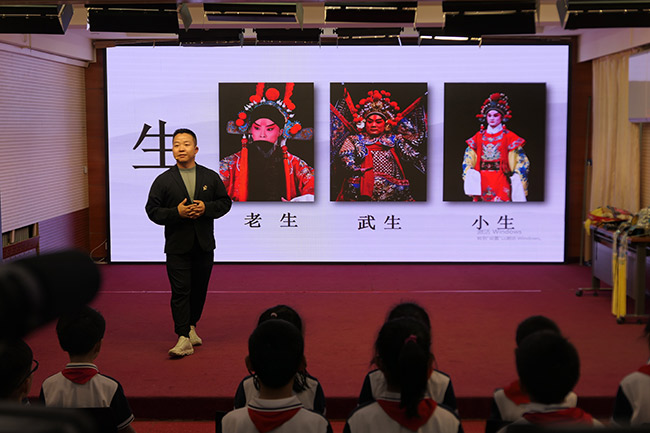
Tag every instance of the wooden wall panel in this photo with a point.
(97, 153)
(580, 90)
(64, 232)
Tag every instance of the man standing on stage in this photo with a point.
(186, 199)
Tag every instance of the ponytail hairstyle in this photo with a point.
(403, 354)
(285, 312)
(414, 311)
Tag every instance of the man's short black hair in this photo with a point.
(185, 131)
(548, 366)
(276, 351)
(80, 330)
(15, 364)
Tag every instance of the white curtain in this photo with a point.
(616, 152)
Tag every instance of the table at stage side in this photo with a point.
(638, 268)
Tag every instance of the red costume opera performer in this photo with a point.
(376, 143)
(495, 167)
(264, 170)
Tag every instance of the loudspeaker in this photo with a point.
(36, 19)
(254, 12)
(209, 37)
(386, 12)
(477, 18)
(146, 18)
(297, 36)
(581, 14)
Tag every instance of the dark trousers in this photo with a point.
(189, 275)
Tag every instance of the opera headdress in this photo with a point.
(268, 104)
(377, 102)
(498, 102)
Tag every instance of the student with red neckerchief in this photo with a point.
(80, 384)
(403, 354)
(275, 354)
(511, 402)
(548, 366)
(306, 387)
(439, 386)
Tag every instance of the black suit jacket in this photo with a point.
(168, 191)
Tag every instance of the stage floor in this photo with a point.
(474, 311)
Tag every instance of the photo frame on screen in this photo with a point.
(523, 148)
(439, 91)
(266, 139)
(378, 134)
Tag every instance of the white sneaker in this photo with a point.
(194, 337)
(183, 348)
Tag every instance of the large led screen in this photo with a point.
(386, 154)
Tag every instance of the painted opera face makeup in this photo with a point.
(494, 118)
(375, 124)
(265, 130)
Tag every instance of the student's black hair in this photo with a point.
(534, 324)
(80, 330)
(185, 131)
(412, 310)
(275, 350)
(646, 332)
(404, 356)
(15, 364)
(548, 366)
(283, 312)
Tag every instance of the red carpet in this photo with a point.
(474, 312)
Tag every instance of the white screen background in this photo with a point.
(180, 85)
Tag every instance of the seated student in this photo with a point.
(275, 354)
(632, 404)
(305, 387)
(510, 403)
(549, 368)
(17, 367)
(439, 386)
(402, 353)
(80, 385)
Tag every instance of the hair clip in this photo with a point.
(411, 338)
